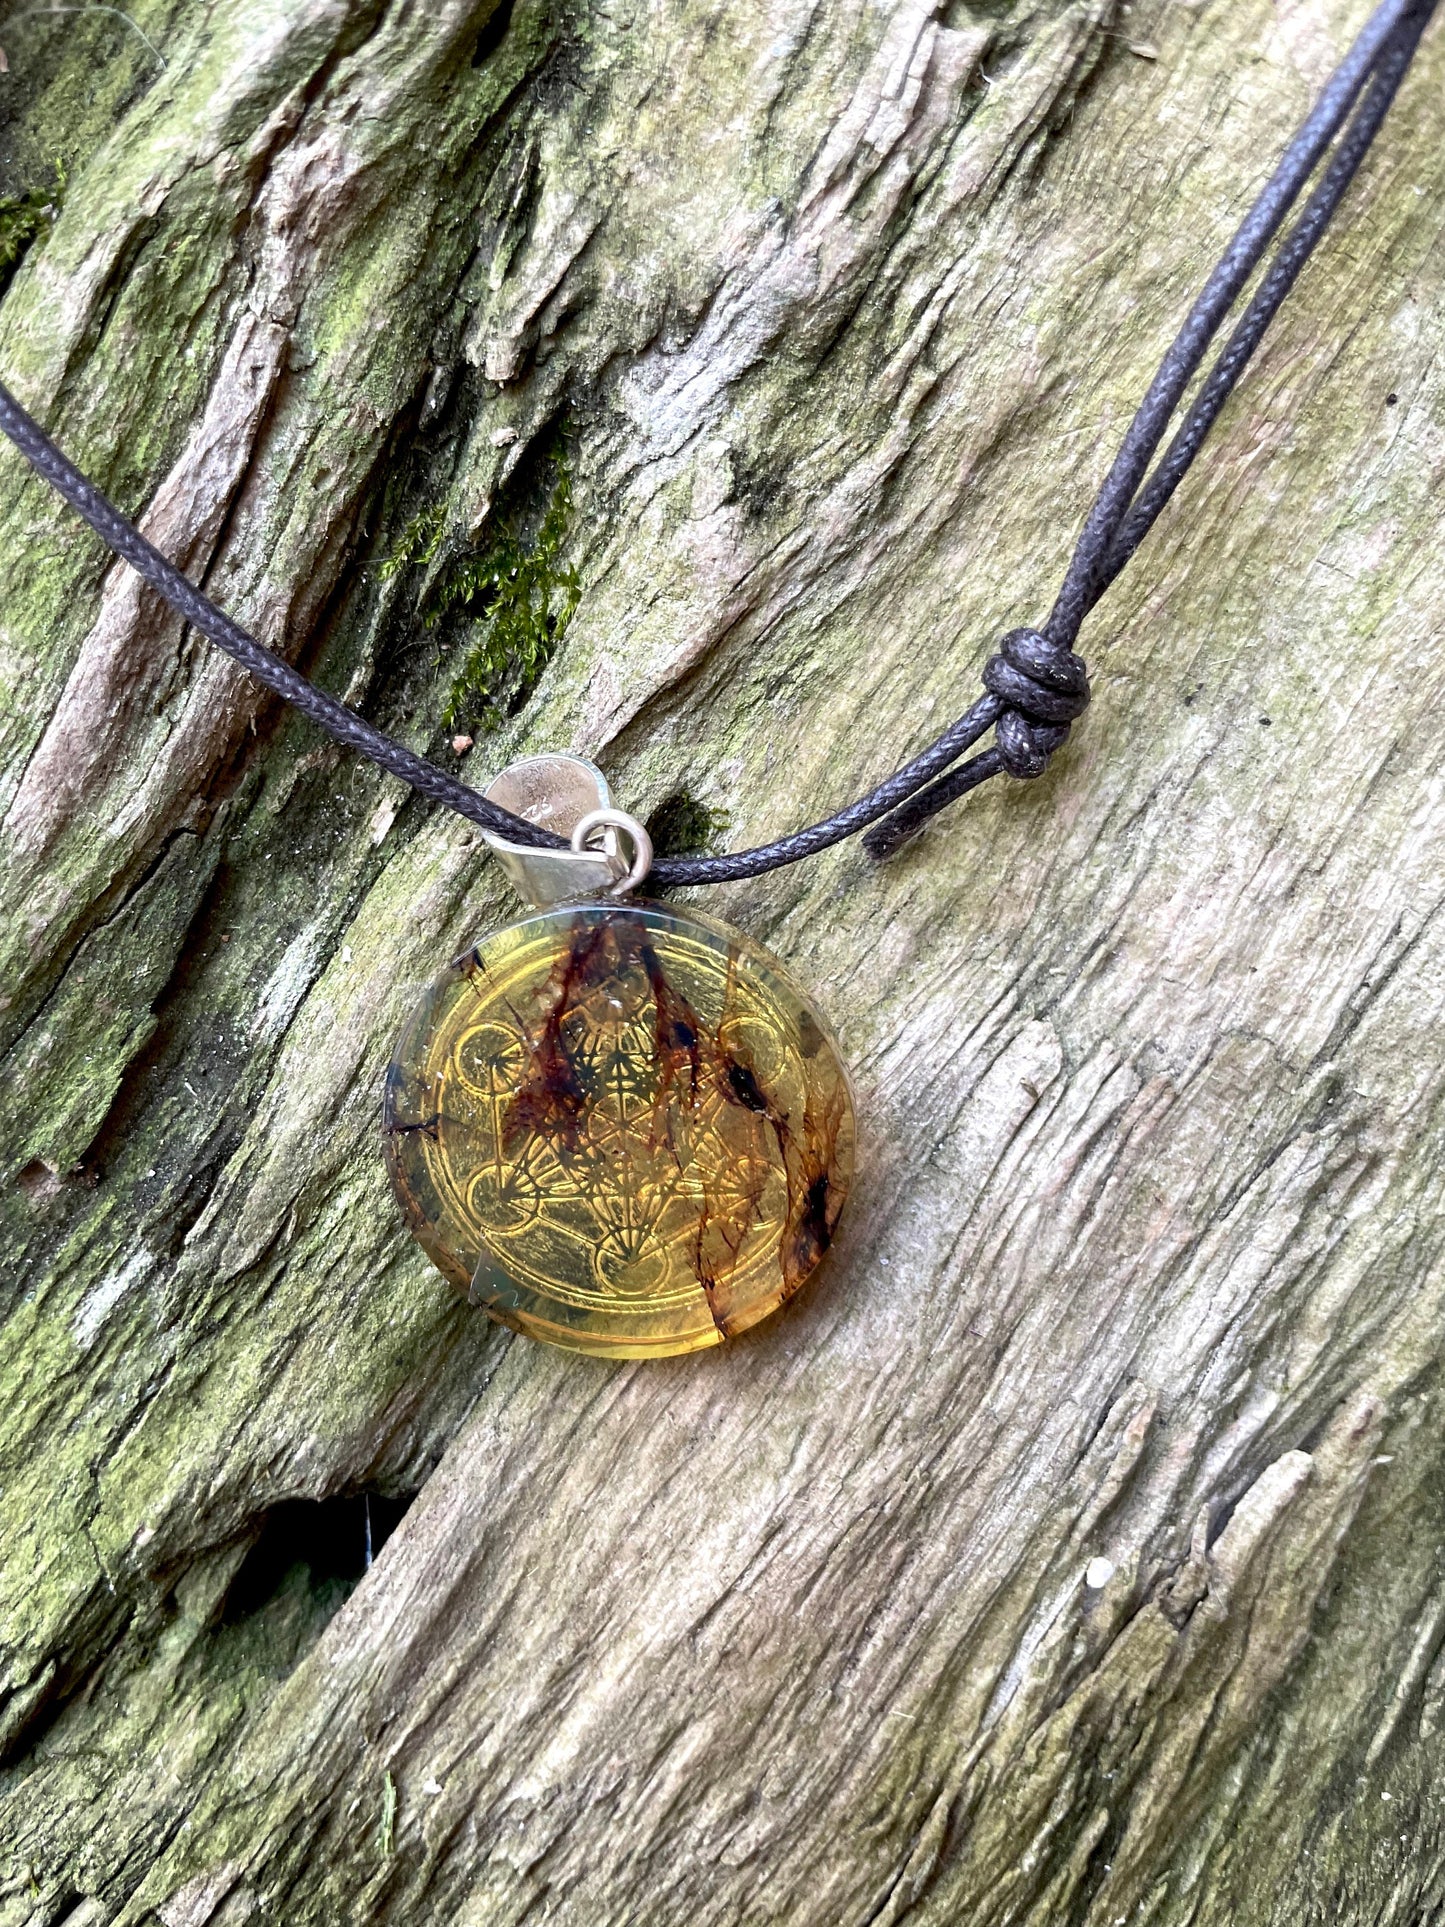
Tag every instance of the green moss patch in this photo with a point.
(682, 825)
(25, 219)
(520, 595)
(505, 606)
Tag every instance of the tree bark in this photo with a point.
(1071, 1550)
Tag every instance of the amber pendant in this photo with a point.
(619, 1125)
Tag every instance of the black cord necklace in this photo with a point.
(623, 1127)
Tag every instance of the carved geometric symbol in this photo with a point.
(623, 1128)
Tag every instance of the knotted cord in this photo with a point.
(1036, 686)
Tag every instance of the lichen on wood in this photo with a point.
(1069, 1551)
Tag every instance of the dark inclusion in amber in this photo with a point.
(620, 1128)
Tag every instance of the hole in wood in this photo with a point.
(324, 1539)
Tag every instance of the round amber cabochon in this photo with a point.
(620, 1128)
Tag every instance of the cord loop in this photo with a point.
(1045, 686)
(1036, 686)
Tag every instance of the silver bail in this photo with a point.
(556, 793)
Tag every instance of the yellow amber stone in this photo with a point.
(621, 1128)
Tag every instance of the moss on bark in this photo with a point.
(1070, 1552)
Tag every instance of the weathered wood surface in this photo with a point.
(839, 309)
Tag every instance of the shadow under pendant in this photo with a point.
(620, 1128)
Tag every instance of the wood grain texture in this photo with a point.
(1070, 1551)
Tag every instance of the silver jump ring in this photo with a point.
(583, 833)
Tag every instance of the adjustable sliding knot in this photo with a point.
(1045, 686)
(1037, 688)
